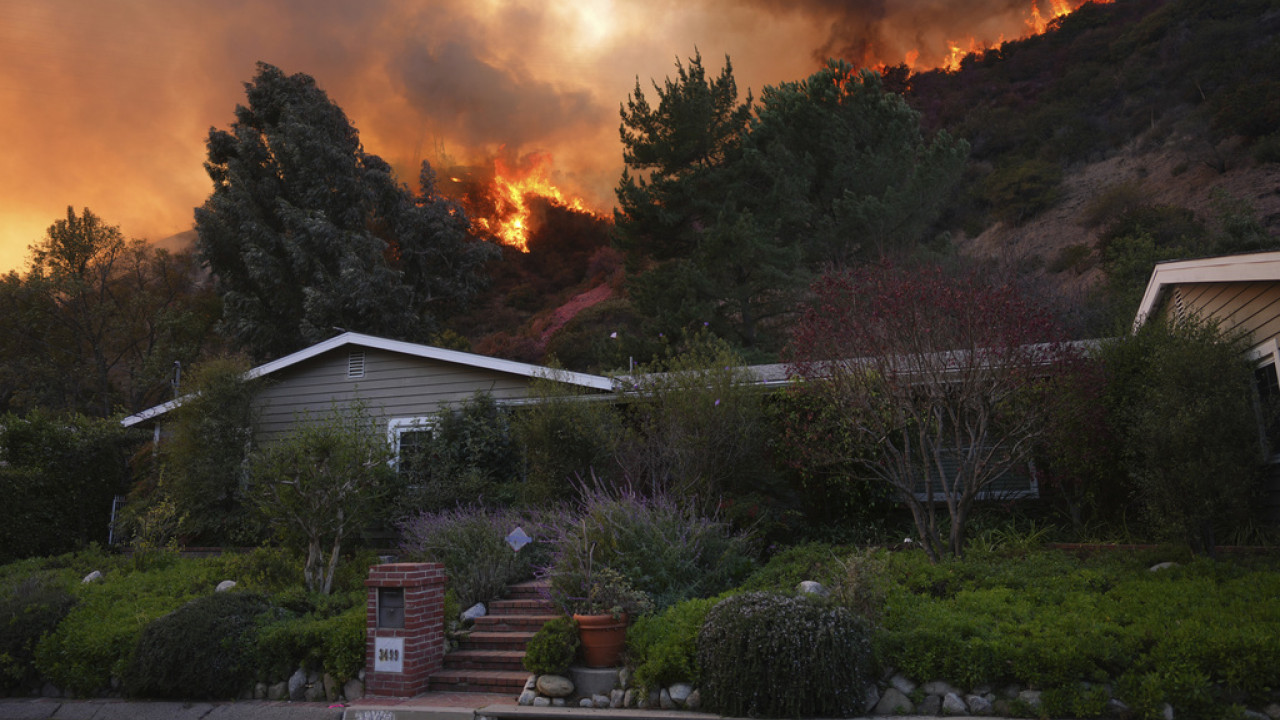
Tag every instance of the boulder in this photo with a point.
(1272, 711)
(664, 700)
(313, 693)
(902, 684)
(225, 585)
(542, 701)
(694, 701)
(260, 691)
(894, 702)
(1030, 698)
(586, 703)
(353, 689)
(600, 701)
(526, 697)
(630, 697)
(278, 691)
(331, 688)
(931, 705)
(94, 576)
(555, 686)
(1163, 566)
(473, 612)
(680, 692)
(953, 705)
(616, 697)
(873, 697)
(978, 705)
(811, 587)
(298, 685)
(938, 687)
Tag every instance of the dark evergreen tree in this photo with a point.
(305, 232)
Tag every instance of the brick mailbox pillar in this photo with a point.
(404, 636)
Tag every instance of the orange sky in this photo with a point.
(106, 105)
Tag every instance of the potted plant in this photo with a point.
(602, 602)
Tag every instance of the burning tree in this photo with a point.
(946, 376)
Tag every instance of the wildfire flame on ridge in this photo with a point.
(507, 214)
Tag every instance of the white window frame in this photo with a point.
(396, 427)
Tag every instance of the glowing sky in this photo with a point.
(107, 105)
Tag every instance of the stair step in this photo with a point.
(504, 622)
(484, 660)
(521, 606)
(479, 680)
(536, 589)
(480, 640)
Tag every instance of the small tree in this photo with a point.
(942, 374)
(321, 483)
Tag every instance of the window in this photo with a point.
(1267, 384)
(409, 438)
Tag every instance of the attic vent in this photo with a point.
(355, 364)
(1179, 306)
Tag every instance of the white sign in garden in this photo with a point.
(388, 654)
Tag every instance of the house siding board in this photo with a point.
(1252, 307)
(393, 386)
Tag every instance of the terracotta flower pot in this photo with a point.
(603, 639)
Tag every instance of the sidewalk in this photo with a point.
(428, 706)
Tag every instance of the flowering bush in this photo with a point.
(660, 546)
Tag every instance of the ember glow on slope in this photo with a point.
(107, 105)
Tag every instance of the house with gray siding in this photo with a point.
(400, 385)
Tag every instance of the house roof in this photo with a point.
(483, 362)
(1250, 267)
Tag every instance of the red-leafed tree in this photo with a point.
(945, 375)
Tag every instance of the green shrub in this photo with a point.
(326, 634)
(29, 609)
(96, 640)
(267, 570)
(815, 561)
(552, 649)
(663, 649)
(66, 470)
(776, 656)
(203, 650)
(1021, 190)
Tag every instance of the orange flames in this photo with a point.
(1037, 23)
(505, 211)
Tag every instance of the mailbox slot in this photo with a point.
(391, 607)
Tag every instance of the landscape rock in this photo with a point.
(278, 691)
(931, 705)
(557, 702)
(1030, 698)
(894, 702)
(542, 701)
(939, 687)
(1254, 715)
(475, 611)
(811, 587)
(526, 697)
(694, 701)
(331, 688)
(313, 693)
(953, 705)
(624, 678)
(555, 686)
(600, 701)
(352, 689)
(94, 576)
(1116, 708)
(1163, 566)
(629, 697)
(260, 691)
(680, 692)
(664, 700)
(616, 698)
(1272, 711)
(531, 682)
(297, 685)
(873, 697)
(50, 690)
(586, 703)
(902, 684)
(225, 585)
(978, 705)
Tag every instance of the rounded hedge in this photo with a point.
(203, 650)
(552, 649)
(770, 655)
